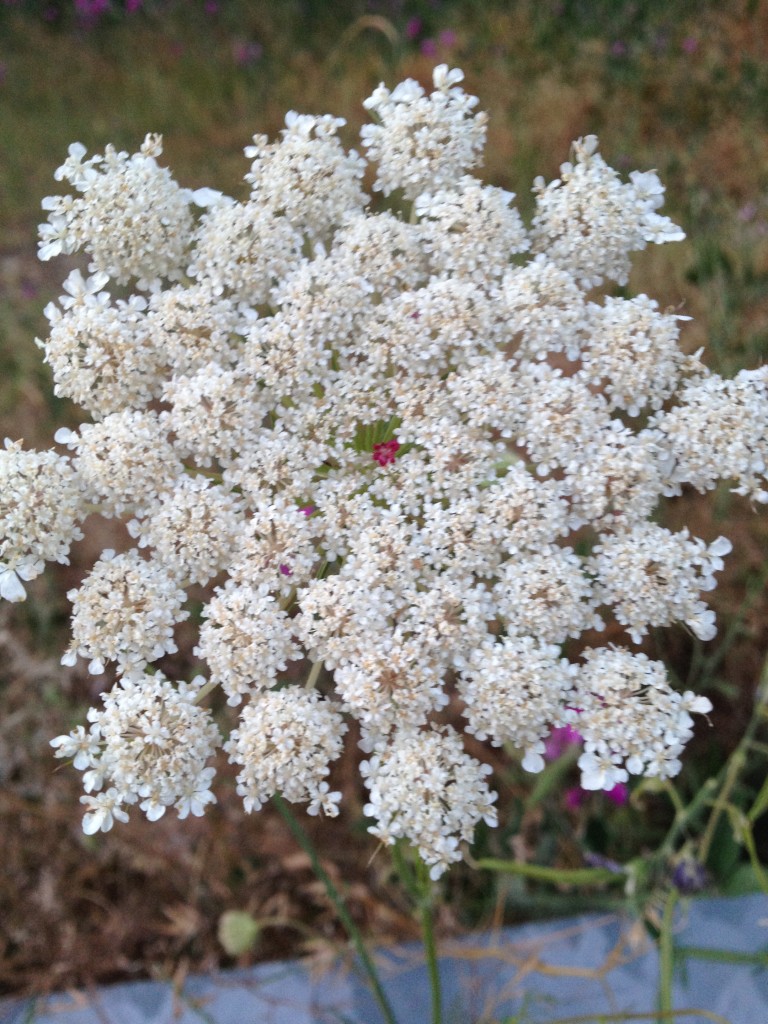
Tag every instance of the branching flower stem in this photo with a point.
(339, 905)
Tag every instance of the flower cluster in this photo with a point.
(413, 449)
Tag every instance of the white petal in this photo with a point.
(11, 588)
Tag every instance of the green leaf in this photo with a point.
(552, 776)
(761, 803)
(742, 882)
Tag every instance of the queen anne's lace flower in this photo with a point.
(40, 508)
(242, 250)
(423, 142)
(511, 689)
(470, 230)
(125, 611)
(653, 577)
(149, 744)
(131, 216)
(284, 744)
(412, 449)
(719, 430)
(630, 716)
(425, 788)
(246, 640)
(125, 460)
(588, 221)
(192, 529)
(307, 176)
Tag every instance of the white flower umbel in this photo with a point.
(246, 639)
(125, 611)
(425, 788)
(131, 216)
(307, 176)
(423, 142)
(41, 504)
(630, 718)
(413, 448)
(588, 221)
(149, 744)
(284, 744)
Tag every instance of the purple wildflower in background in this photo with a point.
(690, 45)
(413, 29)
(574, 797)
(689, 876)
(559, 740)
(90, 8)
(246, 53)
(619, 794)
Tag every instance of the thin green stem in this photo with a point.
(205, 689)
(682, 820)
(555, 876)
(734, 765)
(313, 674)
(721, 956)
(337, 900)
(426, 913)
(642, 1018)
(667, 953)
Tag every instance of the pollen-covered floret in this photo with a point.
(631, 720)
(284, 744)
(41, 505)
(718, 431)
(193, 528)
(470, 230)
(424, 787)
(124, 461)
(514, 690)
(125, 611)
(653, 577)
(423, 142)
(588, 220)
(246, 639)
(149, 744)
(242, 250)
(101, 354)
(131, 217)
(307, 175)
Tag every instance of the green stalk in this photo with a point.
(666, 954)
(555, 876)
(337, 900)
(641, 1018)
(428, 937)
(413, 875)
(723, 956)
(734, 765)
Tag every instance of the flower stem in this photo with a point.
(337, 900)
(428, 937)
(414, 877)
(667, 953)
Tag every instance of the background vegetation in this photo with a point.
(666, 84)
